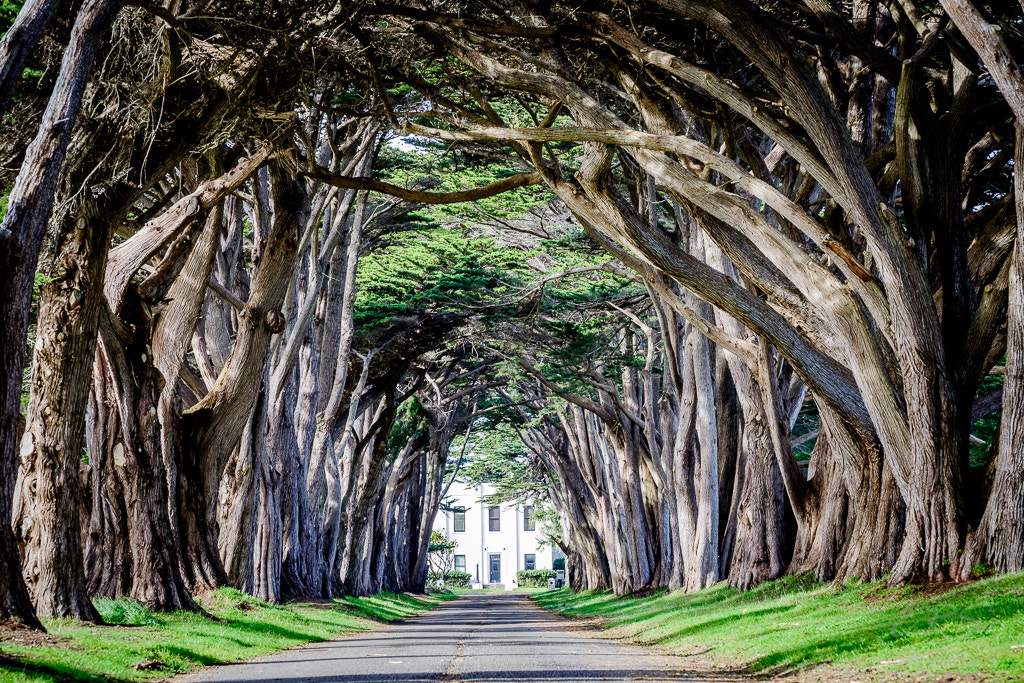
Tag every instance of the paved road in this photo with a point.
(478, 638)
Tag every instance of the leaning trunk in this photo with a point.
(29, 207)
(48, 523)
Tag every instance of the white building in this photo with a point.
(493, 542)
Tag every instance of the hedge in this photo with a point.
(535, 577)
(451, 579)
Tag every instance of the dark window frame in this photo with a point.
(529, 561)
(460, 515)
(456, 565)
(494, 518)
(529, 523)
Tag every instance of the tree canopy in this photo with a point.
(732, 285)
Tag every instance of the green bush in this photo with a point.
(124, 612)
(559, 563)
(535, 577)
(451, 579)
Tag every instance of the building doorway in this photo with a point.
(495, 568)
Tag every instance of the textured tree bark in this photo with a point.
(18, 43)
(389, 561)
(301, 560)
(212, 428)
(898, 377)
(983, 37)
(315, 302)
(360, 503)
(275, 442)
(330, 434)
(21, 234)
(426, 501)
(237, 521)
(108, 555)
(851, 522)
(822, 521)
(588, 566)
(132, 385)
(758, 518)
(999, 539)
(47, 501)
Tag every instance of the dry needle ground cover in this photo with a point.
(144, 646)
(813, 631)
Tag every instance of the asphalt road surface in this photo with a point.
(478, 638)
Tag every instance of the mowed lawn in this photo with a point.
(149, 646)
(797, 623)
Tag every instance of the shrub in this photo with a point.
(124, 612)
(451, 579)
(535, 577)
(559, 563)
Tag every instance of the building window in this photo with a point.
(460, 520)
(494, 517)
(460, 563)
(529, 562)
(528, 523)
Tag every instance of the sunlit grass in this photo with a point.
(796, 622)
(169, 644)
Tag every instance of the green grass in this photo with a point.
(146, 646)
(977, 628)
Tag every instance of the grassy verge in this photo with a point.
(149, 646)
(795, 623)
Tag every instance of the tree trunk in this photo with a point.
(851, 524)
(999, 539)
(133, 385)
(238, 506)
(301, 573)
(275, 439)
(108, 555)
(21, 234)
(18, 43)
(758, 514)
(47, 504)
(213, 427)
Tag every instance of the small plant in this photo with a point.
(124, 612)
(981, 571)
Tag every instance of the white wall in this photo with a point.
(477, 543)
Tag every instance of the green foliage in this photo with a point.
(795, 622)
(408, 421)
(536, 578)
(124, 612)
(5, 199)
(806, 423)
(440, 544)
(174, 643)
(441, 168)
(433, 270)
(497, 458)
(441, 553)
(987, 428)
(8, 12)
(452, 579)
(559, 563)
